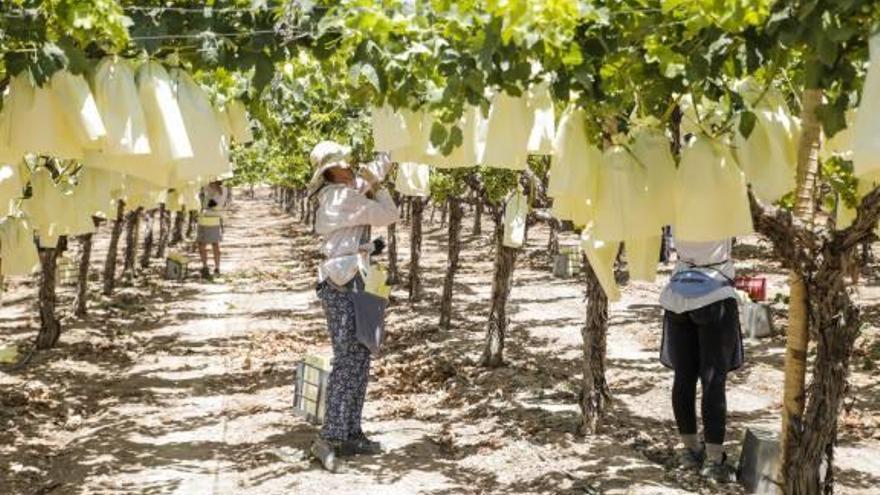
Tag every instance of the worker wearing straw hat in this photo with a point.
(349, 205)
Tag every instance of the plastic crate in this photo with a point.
(310, 388)
(567, 263)
(756, 287)
(176, 267)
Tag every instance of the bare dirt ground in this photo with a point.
(186, 387)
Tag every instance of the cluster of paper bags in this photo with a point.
(624, 193)
(138, 133)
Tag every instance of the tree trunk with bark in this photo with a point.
(444, 213)
(456, 213)
(164, 227)
(112, 249)
(177, 231)
(797, 334)
(505, 261)
(553, 240)
(191, 224)
(393, 269)
(417, 206)
(303, 202)
(594, 395)
(82, 279)
(50, 325)
(148, 239)
(131, 242)
(478, 217)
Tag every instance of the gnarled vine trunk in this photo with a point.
(453, 239)
(502, 282)
(82, 277)
(164, 227)
(50, 325)
(131, 243)
(819, 259)
(417, 206)
(553, 241)
(393, 269)
(148, 239)
(594, 395)
(478, 217)
(113, 249)
(191, 224)
(177, 231)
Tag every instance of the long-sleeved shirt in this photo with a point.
(345, 215)
(713, 259)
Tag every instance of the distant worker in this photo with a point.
(702, 341)
(349, 205)
(215, 199)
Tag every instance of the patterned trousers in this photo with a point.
(347, 384)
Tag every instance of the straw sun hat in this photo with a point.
(324, 156)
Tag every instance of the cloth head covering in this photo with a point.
(324, 156)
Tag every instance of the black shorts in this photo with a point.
(710, 334)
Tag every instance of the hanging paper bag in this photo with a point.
(624, 209)
(116, 97)
(78, 107)
(712, 199)
(652, 149)
(413, 179)
(11, 188)
(390, 130)
(238, 123)
(601, 256)
(515, 214)
(418, 127)
(468, 153)
(543, 131)
(642, 256)
(38, 124)
(164, 116)
(866, 146)
(507, 133)
(18, 254)
(210, 151)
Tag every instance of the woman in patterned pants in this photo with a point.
(348, 206)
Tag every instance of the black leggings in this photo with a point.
(703, 344)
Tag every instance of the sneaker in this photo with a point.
(720, 472)
(360, 445)
(689, 459)
(216, 272)
(326, 453)
(206, 274)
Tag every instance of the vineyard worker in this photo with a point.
(702, 341)
(214, 200)
(348, 206)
